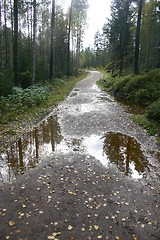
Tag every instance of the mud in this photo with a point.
(85, 172)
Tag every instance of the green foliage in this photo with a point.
(152, 127)
(35, 101)
(21, 99)
(153, 111)
(141, 89)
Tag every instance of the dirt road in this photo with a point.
(95, 175)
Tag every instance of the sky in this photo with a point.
(98, 12)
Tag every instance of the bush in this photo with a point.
(153, 111)
(24, 98)
(141, 89)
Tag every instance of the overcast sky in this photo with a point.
(98, 11)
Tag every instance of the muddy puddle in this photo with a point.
(117, 149)
(30, 149)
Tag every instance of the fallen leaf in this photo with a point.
(56, 233)
(70, 227)
(96, 227)
(11, 223)
(117, 238)
(72, 193)
(51, 237)
(100, 237)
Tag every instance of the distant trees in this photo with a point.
(36, 38)
(77, 22)
(132, 37)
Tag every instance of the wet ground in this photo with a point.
(85, 172)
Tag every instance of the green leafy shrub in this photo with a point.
(141, 89)
(24, 98)
(153, 111)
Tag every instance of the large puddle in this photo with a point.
(116, 149)
(120, 150)
(30, 149)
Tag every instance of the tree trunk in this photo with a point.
(137, 39)
(15, 45)
(52, 47)
(0, 35)
(124, 38)
(69, 39)
(34, 41)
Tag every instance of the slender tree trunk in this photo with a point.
(52, 47)
(124, 38)
(34, 41)
(0, 35)
(137, 40)
(69, 40)
(15, 45)
(28, 31)
(78, 49)
(12, 20)
(6, 59)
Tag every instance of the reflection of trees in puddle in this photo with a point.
(27, 151)
(125, 152)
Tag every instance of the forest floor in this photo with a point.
(96, 174)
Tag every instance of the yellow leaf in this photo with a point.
(11, 223)
(56, 233)
(70, 227)
(96, 227)
(72, 193)
(100, 237)
(51, 237)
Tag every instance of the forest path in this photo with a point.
(97, 176)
